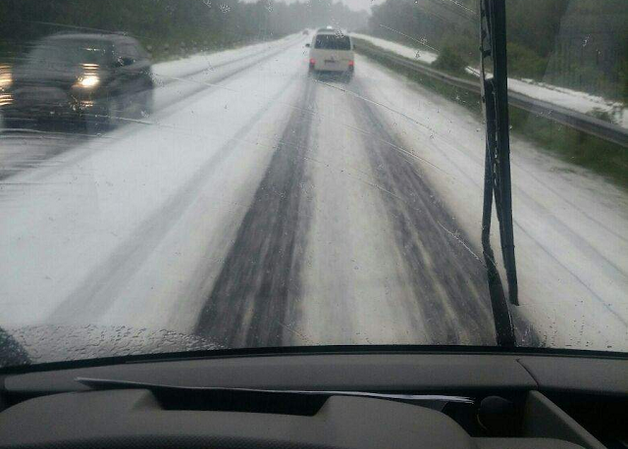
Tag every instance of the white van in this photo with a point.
(331, 51)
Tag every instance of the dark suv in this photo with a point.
(100, 79)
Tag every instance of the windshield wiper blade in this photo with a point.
(108, 384)
(497, 182)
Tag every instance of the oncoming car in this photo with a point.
(98, 79)
(331, 51)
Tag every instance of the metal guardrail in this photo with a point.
(573, 119)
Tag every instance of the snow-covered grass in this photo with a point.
(568, 98)
(571, 99)
(418, 54)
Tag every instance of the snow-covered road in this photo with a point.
(258, 206)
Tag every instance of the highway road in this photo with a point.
(259, 206)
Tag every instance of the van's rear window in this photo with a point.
(332, 42)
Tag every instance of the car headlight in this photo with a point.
(88, 82)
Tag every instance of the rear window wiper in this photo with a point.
(497, 183)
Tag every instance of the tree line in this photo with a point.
(581, 44)
(170, 27)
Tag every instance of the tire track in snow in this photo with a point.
(450, 280)
(259, 281)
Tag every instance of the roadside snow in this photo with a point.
(571, 99)
(403, 50)
(208, 62)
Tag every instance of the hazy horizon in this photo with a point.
(356, 5)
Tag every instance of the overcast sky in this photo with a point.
(357, 5)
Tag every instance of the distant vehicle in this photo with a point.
(306, 32)
(331, 51)
(95, 78)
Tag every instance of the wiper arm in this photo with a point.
(497, 182)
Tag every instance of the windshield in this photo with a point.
(332, 42)
(68, 53)
(227, 185)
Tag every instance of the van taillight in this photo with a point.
(351, 63)
(312, 61)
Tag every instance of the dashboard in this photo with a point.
(307, 401)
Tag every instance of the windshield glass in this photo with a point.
(229, 185)
(68, 53)
(332, 42)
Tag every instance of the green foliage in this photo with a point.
(429, 23)
(534, 25)
(607, 116)
(450, 60)
(579, 44)
(623, 77)
(524, 62)
(583, 42)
